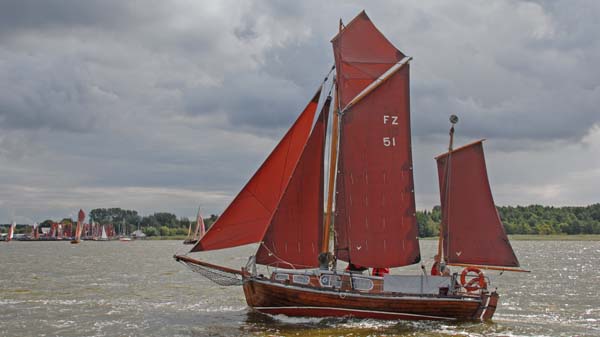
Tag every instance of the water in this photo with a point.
(136, 289)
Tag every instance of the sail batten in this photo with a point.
(249, 214)
(473, 232)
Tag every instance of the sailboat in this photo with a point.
(79, 228)
(11, 231)
(103, 236)
(124, 237)
(193, 237)
(35, 234)
(374, 224)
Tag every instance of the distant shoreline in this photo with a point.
(513, 237)
(555, 237)
(540, 237)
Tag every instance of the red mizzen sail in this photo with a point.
(362, 54)
(473, 232)
(293, 239)
(247, 217)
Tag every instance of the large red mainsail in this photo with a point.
(293, 239)
(362, 54)
(247, 217)
(375, 221)
(473, 232)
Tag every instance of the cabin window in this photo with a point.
(282, 277)
(301, 279)
(331, 281)
(362, 283)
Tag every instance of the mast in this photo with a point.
(453, 120)
(332, 166)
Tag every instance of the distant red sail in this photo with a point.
(375, 220)
(473, 231)
(79, 227)
(293, 240)
(362, 54)
(247, 217)
(81, 216)
(200, 227)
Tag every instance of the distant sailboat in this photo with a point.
(124, 237)
(11, 231)
(198, 232)
(79, 228)
(103, 237)
(282, 207)
(34, 231)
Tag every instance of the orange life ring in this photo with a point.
(479, 279)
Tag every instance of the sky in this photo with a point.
(167, 105)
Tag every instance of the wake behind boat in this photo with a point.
(375, 226)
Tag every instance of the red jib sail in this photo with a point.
(473, 231)
(247, 217)
(293, 239)
(362, 54)
(375, 221)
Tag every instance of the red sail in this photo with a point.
(375, 219)
(473, 231)
(293, 239)
(362, 54)
(247, 217)
(80, 219)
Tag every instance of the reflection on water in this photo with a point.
(136, 289)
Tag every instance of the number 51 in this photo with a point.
(389, 141)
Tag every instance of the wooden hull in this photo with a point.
(190, 241)
(270, 297)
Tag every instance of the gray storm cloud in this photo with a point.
(165, 105)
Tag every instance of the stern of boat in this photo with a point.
(489, 302)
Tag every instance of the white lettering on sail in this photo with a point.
(389, 141)
(392, 119)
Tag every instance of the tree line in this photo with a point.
(533, 219)
(127, 221)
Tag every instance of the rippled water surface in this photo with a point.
(136, 289)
